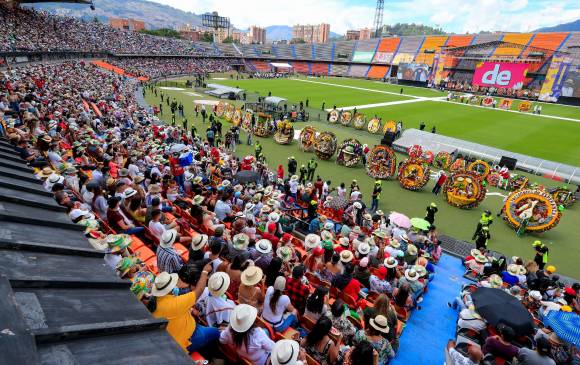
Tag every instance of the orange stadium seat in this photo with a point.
(378, 72)
(518, 38)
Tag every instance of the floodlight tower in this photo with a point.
(378, 24)
(215, 22)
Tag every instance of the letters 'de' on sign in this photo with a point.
(500, 75)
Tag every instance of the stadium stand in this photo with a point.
(518, 38)
(377, 72)
(459, 40)
(319, 68)
(430, 47)
(262, 66)
(301, 67)
(386, 50)
(358, 70)
(285, 51)
(339, 69)
(324, 52)
(407, 50)
(343, 51)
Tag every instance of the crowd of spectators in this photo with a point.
(26, 29)
(158, 67)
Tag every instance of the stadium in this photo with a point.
(397, 199)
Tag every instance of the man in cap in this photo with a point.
(485, 221)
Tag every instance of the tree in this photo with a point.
(403, 29)
(230, 40)
(162, 32)
(206, 37)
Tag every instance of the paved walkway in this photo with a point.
(429, 328)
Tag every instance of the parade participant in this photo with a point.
(430, 213)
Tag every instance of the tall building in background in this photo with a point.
(241, 37)
(257, 35)
(362, 34)
(311, 33)
(127, 24)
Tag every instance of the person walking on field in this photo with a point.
(312, 165)
(441, 178)
(542, 252)
(376, 196)
(430, 214)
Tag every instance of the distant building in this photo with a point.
(222, 34)
(311, 33)
(257, 35)
(241, 37)
(127, 24)
(190, 35)
(361, 34)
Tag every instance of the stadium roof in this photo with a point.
(438, 142)
(60, 303)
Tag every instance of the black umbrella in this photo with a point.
(497, 306)
(247, 176)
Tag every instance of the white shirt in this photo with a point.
(217, 310)
(258, 348)
(133, 170)
(293, 186)
(157, 228)
(274, 318)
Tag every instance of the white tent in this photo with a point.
(280, 65)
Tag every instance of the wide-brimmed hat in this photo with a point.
(311, 241)
(284, 253)
(344, 241)
(164, 284)
(274, 217)
(168, 238)
(474, 252)
(421, 270)
(495, 281)
(357, 230)
(218, 283)
(241, 241)
(404, 237)
(364, 248)
(129, 192)
(346, 256)
(294, 178)
(411, 274)
(252, 275)
(226, 183)
(268, 190)
(391, 262)
(118, 242)
(123, 172)
(481, 259)
(513, 269)
(394, 243)
(536, 295)
(412, 250)
(70, 170)
(138, 179)
(380, 233)
(197, 179)
(198, 199)
(266, 209)
(380, 323)
(154, 189)
(329, 226)
(357, 205)
(198, 242)
(326, 235)
(522, 270)
(238, 188)
(285, 352)
(380, 213)
(264, 246)
(55, 179)
(45, 172)
(125, 265)
(367, 216)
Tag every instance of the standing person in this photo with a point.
(307, 102)
(292, 165)
(433, 130)
(422, 126)
(303, 173)
(203, 114)
(323, 105)
(485, 221)
(430, 213)
(258, 149)
(210, 135)
(312, 165)
(441, 178)
(542, 252)
(481, 238)
(376, 196)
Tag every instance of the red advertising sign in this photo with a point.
(500, 75)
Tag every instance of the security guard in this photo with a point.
(258, 149)
(312, 165)
(485, 221)
(542, 252)
(376, 196)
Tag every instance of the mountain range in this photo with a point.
(566, 27)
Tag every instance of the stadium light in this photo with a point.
(215, 22)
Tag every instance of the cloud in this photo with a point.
(456, 16)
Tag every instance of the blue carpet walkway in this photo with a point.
(428, 330)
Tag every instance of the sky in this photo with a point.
(457, 16)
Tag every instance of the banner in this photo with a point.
(506, 104)
(501, 75)
(571, 86)
(556, 80)
(413, 72)
(436, 76)
(366, 57)
(383, 57)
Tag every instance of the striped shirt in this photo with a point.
(168, 260)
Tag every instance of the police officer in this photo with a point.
(485, 221)
(312, 165)
(542, 252)
(303, 173)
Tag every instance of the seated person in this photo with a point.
(500, 345)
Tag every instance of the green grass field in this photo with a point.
(457, 120)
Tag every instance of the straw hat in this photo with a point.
(138, 179)
(404, 237)
(380, 323)
(294, 178)
(243, 317)
(421, 270)
(271, 202)
(394, 243)
(495, 281)
(241, 241)
(274, 217)
(264, 246)
(357, 230)
(412, 250)
(125, 265)
(266, 209)
(329, 226)
(123, 172)
(118, 242)
(357, 205)
(46, 172)
(197, 179)
(226, 183)
(154, 189)
(391, 262)
(55, 179)
(344, 241)
(346, 256)
(268, 190)
(364, 248)
(168, 238)
(380, 233)
(284, 253)
(129, 192)
(164, 284)
(218, 284)
(251, 276)
(513, 269)
(311, 241)
(198, 199)
(481, 259)
(536, 295)
(367, 216)
(411, 274)
(380, 213)
(475, 252)
(198, 242)
(326, 236)
(285, 352)
(522, 270)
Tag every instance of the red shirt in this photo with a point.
(298, 293)
(352, 288)
(176, 168)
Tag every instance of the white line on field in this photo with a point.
(358, 88)
(387, 103)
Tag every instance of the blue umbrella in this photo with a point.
(565, 324)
